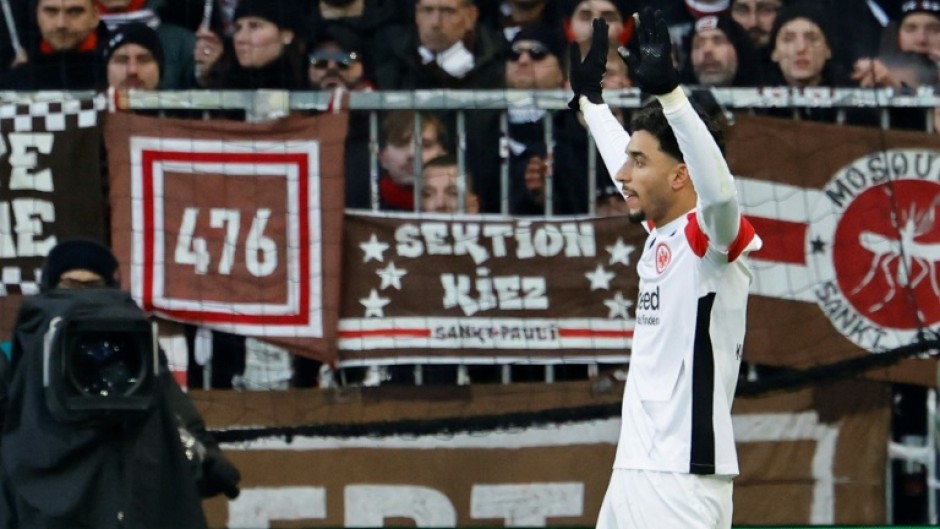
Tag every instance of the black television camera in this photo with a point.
(89, 436)
(99, 352)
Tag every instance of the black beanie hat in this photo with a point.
(807, 9)
(930, 7)
(285, 14)
(342, 36)
(135, 33)
(77, 254)
(551, 38)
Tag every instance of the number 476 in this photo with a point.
(260, 251)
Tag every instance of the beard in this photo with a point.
(636, 218)
(337, 3)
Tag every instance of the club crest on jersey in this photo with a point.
(874, 242)
(663, 257)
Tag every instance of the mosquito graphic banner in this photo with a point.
(230, 225)
(851, 235)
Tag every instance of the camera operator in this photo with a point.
(143, 468)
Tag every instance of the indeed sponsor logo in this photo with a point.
(649, 300)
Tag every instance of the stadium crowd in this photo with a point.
(465, 44)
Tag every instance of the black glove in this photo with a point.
(218, 477)
(650, 55)
(585, 77)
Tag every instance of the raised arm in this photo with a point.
(585, 77)
(717, 209)
(650, 64)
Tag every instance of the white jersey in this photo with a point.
(690, 312)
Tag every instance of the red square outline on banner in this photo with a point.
(148, 196)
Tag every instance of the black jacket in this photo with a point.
(127, 473)
(71, 70)
(399, 67)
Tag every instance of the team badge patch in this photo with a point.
(663, 257)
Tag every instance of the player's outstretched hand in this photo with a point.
(649, 56)
(585, 76)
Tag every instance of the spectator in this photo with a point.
(917, 32)
(397, 156)
(178, 69)
(680, 16)
(443, 49)
(919, 28)
(757, 17)
(720, 55)
(509, 16)
(578, 15)
(266, 49)
(134, 57)
(335, 61)
(363, 18)
(535, 60)
(802, 48)
(440, 181)
(803, 57)
(68, 56)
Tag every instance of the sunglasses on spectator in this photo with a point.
(321, 59)
(536, 51)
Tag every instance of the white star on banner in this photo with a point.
(391, 276)
(373, 249)
(374, 304)
(618, 306)
(599, 278)
(620, 252)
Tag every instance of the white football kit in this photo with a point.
(687, 342)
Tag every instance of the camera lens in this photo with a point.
(105, 365)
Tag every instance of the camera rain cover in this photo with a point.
(99, 356)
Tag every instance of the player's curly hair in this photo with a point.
(651, 119)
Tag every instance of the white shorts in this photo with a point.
(645, 499)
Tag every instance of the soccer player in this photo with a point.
(676, 456)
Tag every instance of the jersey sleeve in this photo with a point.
(717, 210)
(609, 135)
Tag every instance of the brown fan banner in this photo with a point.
(848, 216)
(487, 288)
(51, 189)
(811, 457)
(233, 226)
